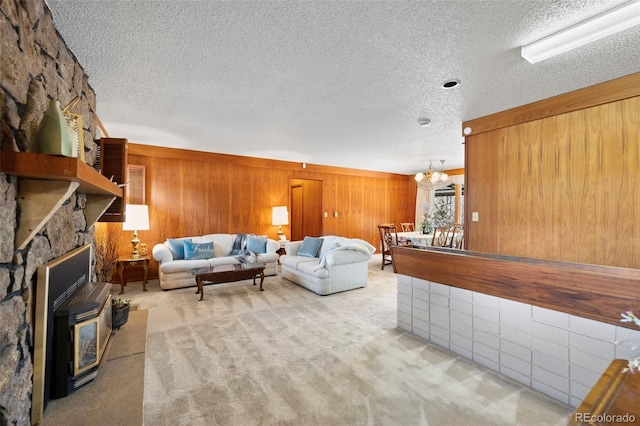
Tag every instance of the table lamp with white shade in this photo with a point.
(137, 219)
(279, 217)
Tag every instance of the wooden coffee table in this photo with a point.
(227, 273)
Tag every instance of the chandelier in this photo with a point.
(432, 175)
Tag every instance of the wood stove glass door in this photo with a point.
(85, 350)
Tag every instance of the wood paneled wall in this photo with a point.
(195, 193)
(559, 179)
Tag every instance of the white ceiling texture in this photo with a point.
(339, 83)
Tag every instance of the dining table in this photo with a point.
(415, 238)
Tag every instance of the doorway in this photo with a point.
(306, 208)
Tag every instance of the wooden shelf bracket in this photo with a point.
(97, 204)
(38, 201)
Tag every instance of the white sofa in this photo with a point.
(174, 273)
(341, 264)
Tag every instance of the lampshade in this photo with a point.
(137, 218)
(280, 215)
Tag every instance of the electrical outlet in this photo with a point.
(326, 214)
(474, 216)
(335, 214)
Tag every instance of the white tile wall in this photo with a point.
(551, 333)
(523, 353)
(461, 306)
(515, 364)
(596, 329)
(517, 309)
(439, 315)
(583, 376)
(547, 316)
(485, 300)
(548, 378)
(490, 315)
(552, 364)
(590, 362)
(590, 345)
(509, 334)
(461, 294)
(517, 322)
(525, 379)
(464, 343)
(461, 325)
(555, 353)
(439, 300)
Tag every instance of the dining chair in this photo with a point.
(388, 237)
(407, 227)
(459, 243)
(440, 236)
(455, 236)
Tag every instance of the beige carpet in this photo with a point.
(287, 356)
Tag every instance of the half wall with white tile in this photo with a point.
(558, 354)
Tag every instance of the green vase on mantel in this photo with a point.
(53, 132)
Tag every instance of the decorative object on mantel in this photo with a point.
(431, 175)
(53, 132)
(119, 312)
(634, 363)
(74, 121)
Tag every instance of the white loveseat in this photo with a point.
(341, 264)
(174, 273)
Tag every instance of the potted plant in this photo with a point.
(119, 312)
(106, 253)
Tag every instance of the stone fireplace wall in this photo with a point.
(35, 66)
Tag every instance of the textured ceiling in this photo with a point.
(339, 83)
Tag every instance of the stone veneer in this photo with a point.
(35, 66)
(558, 354)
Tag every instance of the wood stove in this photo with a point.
(72, 326)
(81, 329)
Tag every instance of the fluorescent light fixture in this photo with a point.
(600, 26)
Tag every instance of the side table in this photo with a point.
(281, 250)
(129, 262)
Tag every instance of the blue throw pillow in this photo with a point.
(177, 247)
(257, 245)
(310, 247)
(198, 250)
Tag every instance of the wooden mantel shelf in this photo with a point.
(46, 181)
(52, 167)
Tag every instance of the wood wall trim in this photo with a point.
(596, 292)
(238, 160)
(610, 91)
